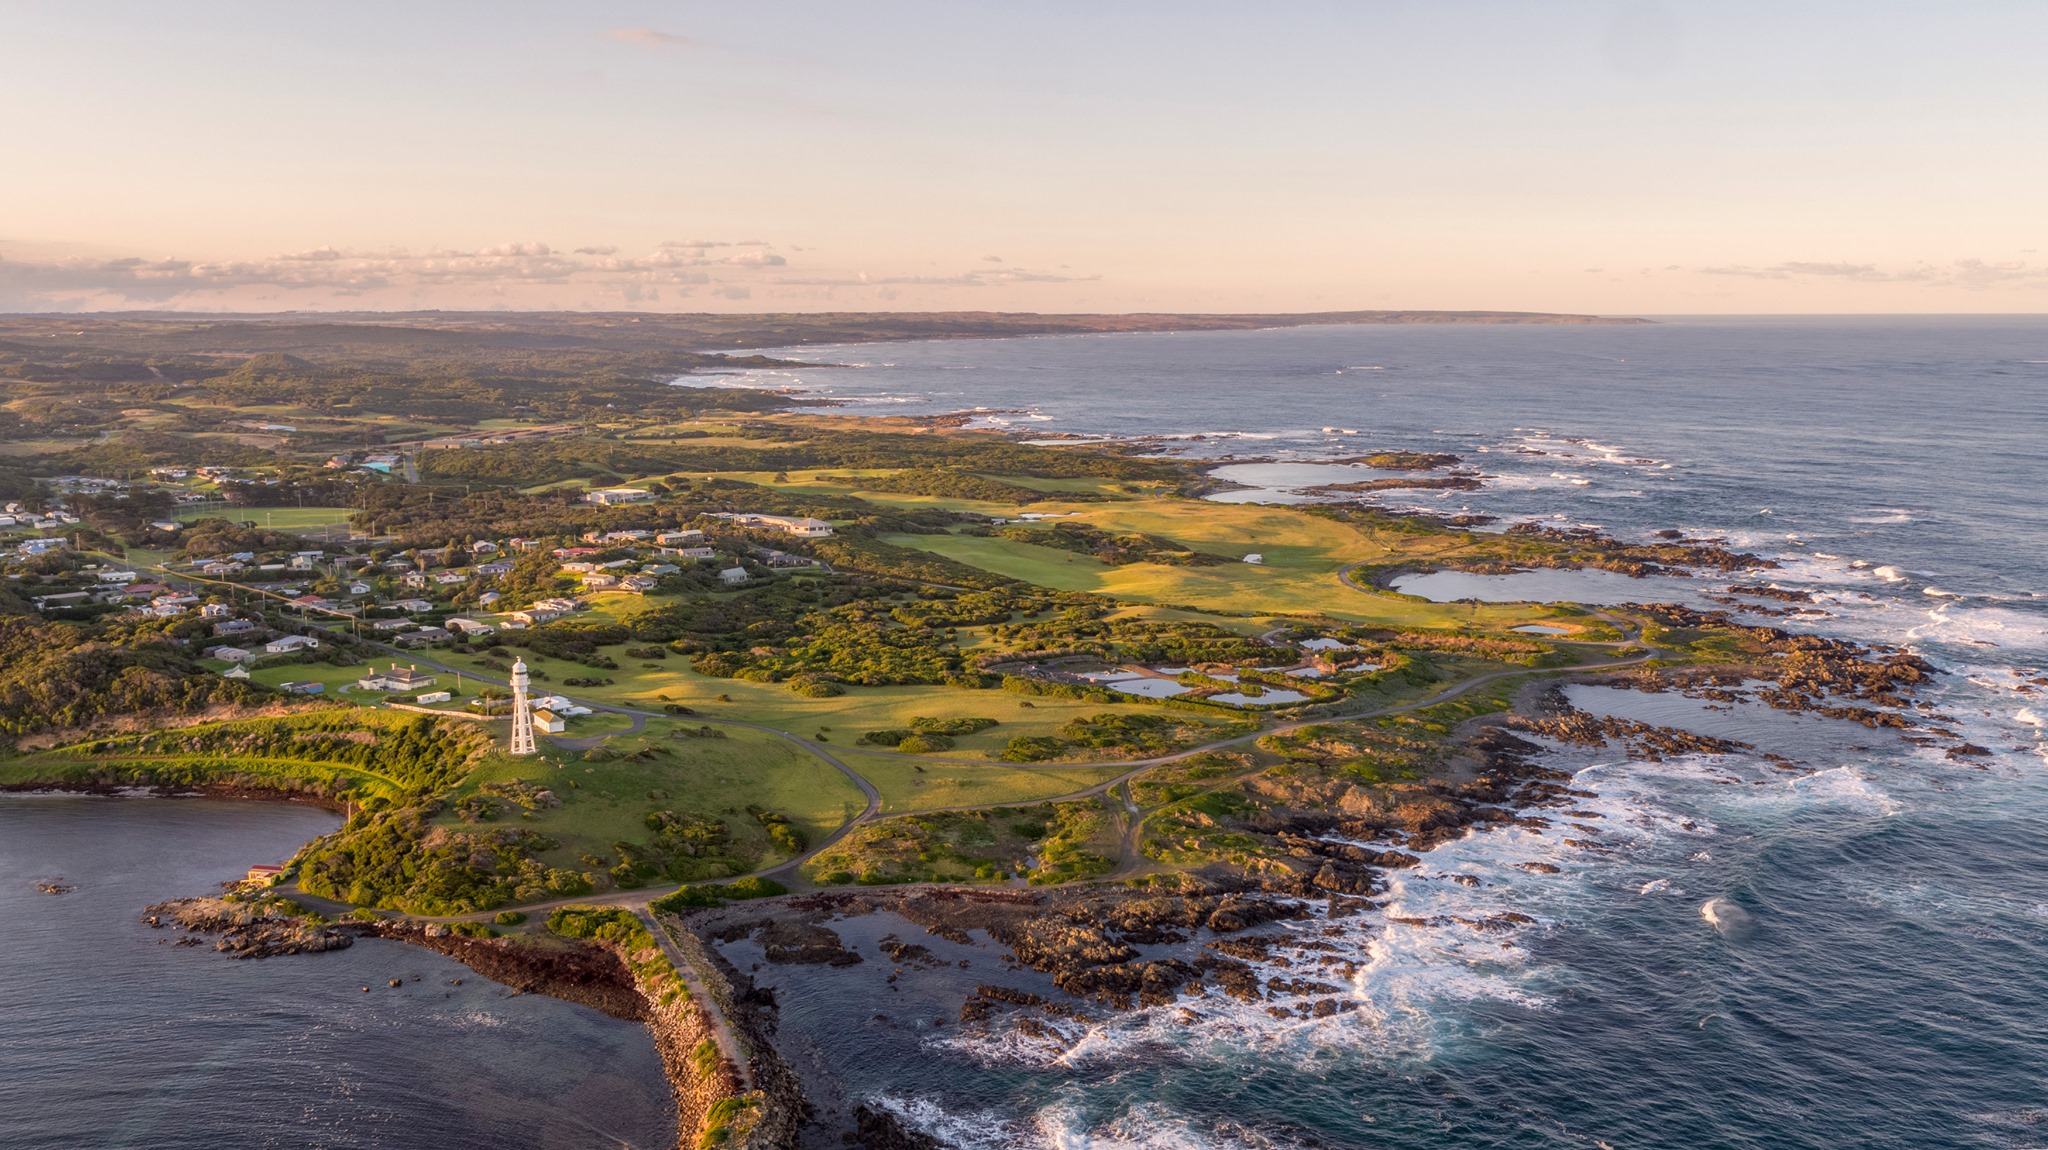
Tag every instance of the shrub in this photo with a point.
(1033, 748)
(968, 726)
(813, 687)
(712, 894)
(510, 917)
(925, 744)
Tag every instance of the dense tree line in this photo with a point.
(1115, 550)
(568, 459)
(398, 860)
(59, 675)
(1087, 629)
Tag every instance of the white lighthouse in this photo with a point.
(522, 712)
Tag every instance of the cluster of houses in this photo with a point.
(417, 598)
(15, 517)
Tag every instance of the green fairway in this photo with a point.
(842, 719)
(912, 785)
(1301, 557)
(719, 778)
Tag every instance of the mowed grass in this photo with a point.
(846, 481)
(842, 719)
(279, 518)
(335, 678)
(714, 778)
(1302, 556)
(914, 785)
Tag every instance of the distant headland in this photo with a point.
(423, 331)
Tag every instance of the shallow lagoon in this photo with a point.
(1545, 585)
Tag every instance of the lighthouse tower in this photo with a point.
(522, 712)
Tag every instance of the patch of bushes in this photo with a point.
(718, 894)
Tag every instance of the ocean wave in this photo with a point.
(1724, 915)
(1956, 621)
(980, 1130)
(1063, 1125)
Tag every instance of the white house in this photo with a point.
(433, 697)
(610, 496)
(733, 576)
(232, 655)
(803, 528)
(290, 643)
(547, 722)
(397, 678)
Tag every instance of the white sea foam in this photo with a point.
(1723, 915)
(983, 1130)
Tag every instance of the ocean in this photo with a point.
(114, 1037)
(1855, 954)
(1851, 955)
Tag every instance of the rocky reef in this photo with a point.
(250, 928)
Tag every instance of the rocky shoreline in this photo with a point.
(1264, 938)
(180, 791)
(755, 1108)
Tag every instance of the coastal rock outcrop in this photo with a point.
(253, 928)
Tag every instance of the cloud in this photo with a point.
(1969, 274)
(395, 277)
(650, 38)
(966, 279)
(525, 273)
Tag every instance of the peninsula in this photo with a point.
(791, 667)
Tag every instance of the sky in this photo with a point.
(1616, 156)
